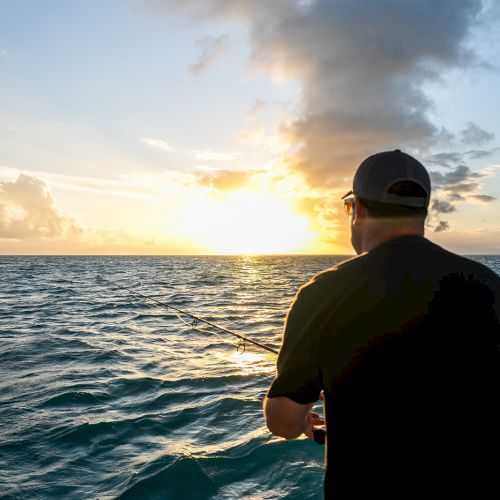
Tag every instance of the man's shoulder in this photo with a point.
(466, 267)
(420, 256)
(337, 275)
(401, 258)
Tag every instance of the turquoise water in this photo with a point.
(103, 395)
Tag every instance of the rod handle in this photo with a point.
(319, 435)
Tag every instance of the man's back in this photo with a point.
(410, 361)
(404, 340)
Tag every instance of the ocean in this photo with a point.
(105, 395)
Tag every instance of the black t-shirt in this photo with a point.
(405, 342)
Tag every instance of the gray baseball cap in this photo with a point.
(379, 172)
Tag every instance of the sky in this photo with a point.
(235, 126)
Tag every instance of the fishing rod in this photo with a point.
(319, 434)
(198, 319)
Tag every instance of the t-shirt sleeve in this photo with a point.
(298, 375)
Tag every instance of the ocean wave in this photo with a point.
(183, 478)
(101, 397)
(71, 399)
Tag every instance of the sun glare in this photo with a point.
(246, 223)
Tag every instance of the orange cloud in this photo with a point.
(27, 211)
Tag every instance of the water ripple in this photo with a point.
(103, 395)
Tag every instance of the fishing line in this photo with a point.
(198, 319)
(193, 325)
(319, 434)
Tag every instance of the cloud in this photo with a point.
(225, 180)
(362, 87)
(27, 211)
(490, 170)
(452, 158)
(264, 138)
(457, 185)
(476, 154)
(442, 226)
(483, 198)
(252, 136)
(30, 223)
(158, 143)
(130, 186)
(464, 187)
(442, 206)
(456, 197)
(3, 52)
(211, 49)
(447, 160)
(474, 134)
(329, 219)
(208, 155)
(258, 106)
(460, 176)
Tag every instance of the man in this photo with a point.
(404, 342)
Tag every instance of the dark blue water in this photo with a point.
(103, 395)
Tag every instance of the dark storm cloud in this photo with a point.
(362, 66)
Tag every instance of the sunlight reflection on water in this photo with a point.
(250, 363)
(106, 396)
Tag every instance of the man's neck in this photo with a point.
(377, 238)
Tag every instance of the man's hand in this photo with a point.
(313, 420)
(288, 419)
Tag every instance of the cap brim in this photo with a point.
(347, 194)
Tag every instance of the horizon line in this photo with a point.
(215, 255)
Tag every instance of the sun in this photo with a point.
(246, 223)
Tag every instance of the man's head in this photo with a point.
(391, 197)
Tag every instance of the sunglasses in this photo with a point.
(349, 206)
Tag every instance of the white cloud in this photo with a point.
(363, 89)
(31, 223)
(261, 137)
(124, 187)
(158, 143)
(27, 211)
(137, 186)
(490, 170)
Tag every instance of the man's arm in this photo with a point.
(288, 419)
(298, 382)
